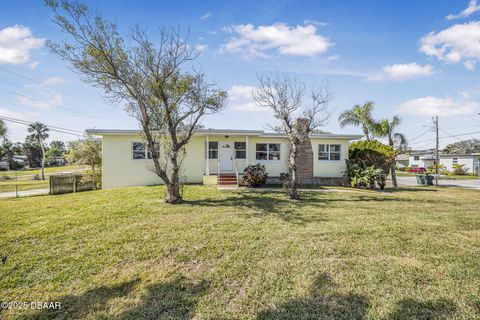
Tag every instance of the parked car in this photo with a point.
(417, 170)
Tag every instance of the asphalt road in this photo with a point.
(470, 184)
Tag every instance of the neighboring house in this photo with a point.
(125, 159)
(4, 165)
(401, 160)
(427, 159)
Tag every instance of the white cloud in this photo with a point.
(300, 40)
(201, 47)
(34, 64)
(430, 106)
(459, 43)
(52, 81)
(332, 58)
(44, 104)
(241, 99)
(206, 16)
(16, 43)
(472, 8)
(400, 72)
(316, 23)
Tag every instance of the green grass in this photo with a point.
(24, 178)
(444, 177)
(124, 254)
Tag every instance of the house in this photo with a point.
(426, 159)
(217, 156)
(401, 160)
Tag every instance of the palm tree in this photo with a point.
(387, 129)
(358, 116)
(39, 132)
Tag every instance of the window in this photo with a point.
(140, 150)
(329, 152)
(454, 160)
(212, 150)
(268, 151)
(416, 158)
(240, 150)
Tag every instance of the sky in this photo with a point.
(415, 59)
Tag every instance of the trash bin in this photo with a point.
(428, 180)
(420, 179)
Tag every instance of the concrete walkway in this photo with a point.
(26, 193)
(469, 184)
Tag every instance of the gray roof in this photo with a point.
(233, 132)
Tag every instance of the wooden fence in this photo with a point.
(68, 183)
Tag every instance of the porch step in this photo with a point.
(227, 180)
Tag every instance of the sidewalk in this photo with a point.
(34, 192)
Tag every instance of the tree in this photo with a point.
(87, 151)
(59, 145)
(39, 133)
(463, 147)
(3, 129)
(8, 149)
(373, 153)
(167, 101)
(285, 98)
(359, 115)
(33, 152)
(388, 129)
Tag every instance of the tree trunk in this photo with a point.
(293, 192)
(173, 193)
(43, 159)
(173, 188)
(394, 175)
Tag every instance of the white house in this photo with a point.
(219, 156)
(427, 159)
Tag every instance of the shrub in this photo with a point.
(255, 175)
(441, 169)
(17, 165)
(460, 169)
(361, 175)
(373, 153)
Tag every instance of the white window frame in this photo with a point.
(328, 151)
(416, 158)
(268, 152)
(455, 160)
(146, 151)
(207, 148)
(244, 150)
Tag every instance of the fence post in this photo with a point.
(74, 183)
(16, 191)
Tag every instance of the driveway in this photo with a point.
(34, 192)
(470, 184)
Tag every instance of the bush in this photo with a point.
(285, 181)
(361, 175)
(255, 175)
(373, 154)
(441, 169)
(17, 165)
(460, 169)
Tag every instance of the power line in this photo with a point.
(450, 135)
(17, 74)
(30, 122)
(51, 128)
(443, 137)
(50, 104)
(420, 135)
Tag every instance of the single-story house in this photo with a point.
(427, 159)
(219, 156)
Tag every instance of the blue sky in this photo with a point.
(412, 58)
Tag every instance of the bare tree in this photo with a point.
(150, 78)
(286, 97)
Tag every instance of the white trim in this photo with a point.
(246, 151)
(207, 159)
(329, 152)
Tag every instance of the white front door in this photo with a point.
(225, 155)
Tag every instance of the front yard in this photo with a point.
(124, 254)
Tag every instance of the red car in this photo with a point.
(417, 170)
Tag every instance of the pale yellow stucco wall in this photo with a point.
(120, 170)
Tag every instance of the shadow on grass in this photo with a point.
(411, 189)
(276, 204)
(322, 302)
(411, 309)
(176, 299)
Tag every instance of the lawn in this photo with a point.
(24, 178)
(124, 254)
(442, 177)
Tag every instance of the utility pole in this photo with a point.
(437, 160)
